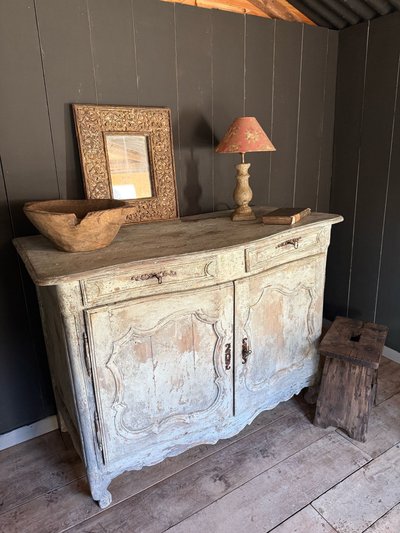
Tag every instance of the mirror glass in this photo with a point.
(128, 162)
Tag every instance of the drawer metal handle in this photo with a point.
(245, 351)
(158, 275)
(291, 242)
(228, 356)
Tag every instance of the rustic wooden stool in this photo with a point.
(348, 388)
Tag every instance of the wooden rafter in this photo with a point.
(275, 9)
(236, 6)
(281, 9)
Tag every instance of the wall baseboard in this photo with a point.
(391, 354)
(28, 432)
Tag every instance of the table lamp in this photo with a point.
(244, 135)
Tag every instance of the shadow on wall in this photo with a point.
(192, 190)
(19, 315)
(73, 186)
(21, 225)
(332, 311)
(197, 143)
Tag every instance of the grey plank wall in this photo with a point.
(363, 280)
(227, 61)
(349, 104)
(287, 84)
(194, 82)
(208, 66)
(259, 96)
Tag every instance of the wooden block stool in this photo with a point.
(348, 387)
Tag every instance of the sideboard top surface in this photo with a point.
(142, 242)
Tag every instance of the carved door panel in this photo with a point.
(159, 371)
(278, 324)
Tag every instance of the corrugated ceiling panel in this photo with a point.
(339, 14)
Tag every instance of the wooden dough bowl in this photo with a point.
(77, 225)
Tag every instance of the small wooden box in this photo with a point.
(348, 388)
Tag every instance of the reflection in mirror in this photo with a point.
(128, 161)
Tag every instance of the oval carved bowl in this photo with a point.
(77, 225)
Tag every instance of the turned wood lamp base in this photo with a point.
(244, 135)
(243, 213)
(242, 194)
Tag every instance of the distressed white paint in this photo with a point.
(138, 365)
(158, 368)
(279, 311)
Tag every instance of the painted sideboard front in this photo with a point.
(178, 334)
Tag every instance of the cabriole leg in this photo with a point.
(99, 490)
(105, 500)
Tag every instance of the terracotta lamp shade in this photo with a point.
(244, 135)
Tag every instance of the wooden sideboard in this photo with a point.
(179, 333)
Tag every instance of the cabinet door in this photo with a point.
(278, 324)
(159, 372)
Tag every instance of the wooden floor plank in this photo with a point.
(196, 487)
(261, 479)
(305, 521)
(361, 499)
(389, 523)
(270, 498)
(384, 361)
(383, 428)
(388, 380)
(51, 510)
(37, 466)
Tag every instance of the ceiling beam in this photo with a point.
(236, 6)
(275, 9)
(281, 9)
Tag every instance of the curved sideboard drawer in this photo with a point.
(153, 277)
(264, 255)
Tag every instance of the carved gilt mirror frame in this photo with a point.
(127, 153)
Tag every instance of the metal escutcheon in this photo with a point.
(228, 356)
(245, 351)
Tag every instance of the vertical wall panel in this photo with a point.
(228, 97)
(348, 116)
(156, 60)
(193, 44)
(325, 162)
(388, 308)
(25, 140)
(260, 34)
(113, 50)
(311, 113)
(68, 66)
(288, 45)
(155, 49)
(29, 173)
(22, 384)
(364, 255)
(380, 85)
